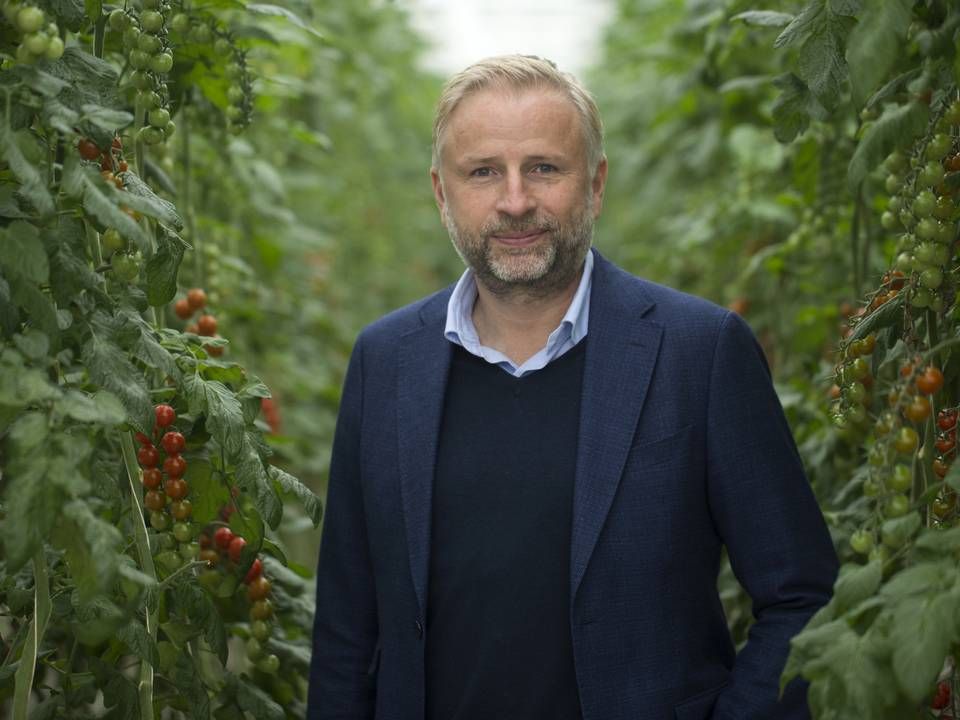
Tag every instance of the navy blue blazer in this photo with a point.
(683, 448)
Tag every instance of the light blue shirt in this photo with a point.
(571, 330)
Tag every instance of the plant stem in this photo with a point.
(23, 680)
(146, 563)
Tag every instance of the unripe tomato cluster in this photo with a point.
(923, 209)
(205, 325)
(165, 490)
(41, 39)
(150, 55)
(854, 379)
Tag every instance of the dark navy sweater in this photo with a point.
(498, 609)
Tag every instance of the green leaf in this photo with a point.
(896, 127)
(848, 8)
(152, 354)
(34, 344)
(792, 109)
(101, 201)
(103, 407)
(207, 493)
(163, 267)
(33, 186)
(23, 684)
(821, 63)
(93, 8)
(32, 506)
(764, 18)
(224, 417)
(106, 119)
(953, 476)
(38, 306)
(109, 367)
(856, 583)
(195, 606)
(875, 45)
(923, 630)
(29, 431)
(91, 547)
(139, 196)
(884, 316)
(253, 700)
(89, 81)
(277, 11)
(254, 479)
(138, 641)
(287, 483)
(918, 579)
(22, 253)
(801, 26)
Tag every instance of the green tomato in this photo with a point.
(54, 49)
(862, 541)
(932, 173)
(182, 532)
(37, 43)
(158, 518)
(125, 267)
(162, 63)
(928, 228)
(141, 80)
(921, 298)
(260, 630)
(931, 278)
(924, 203)
(897, 506)
(148, 99)
(30, 19)
(235, 94)
(119, 20)
(893, 183)
(189, 551)
(112, 240)
(254, 648)
(159, 117)
(268, 664)
(169, 560)
(222, 47)
(151, 20)
(201, 34)
(938, 146)
(944, 208)
(180, 23)
(907, 219)
(889, 220)
(169, 129)
(895, 204)
(139, 60)
(902, 478)
(234, 71)
(131, 37)
(855, 392)
(895, 162)
(149, 43)
(150, 135)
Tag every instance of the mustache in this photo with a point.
(520, 225)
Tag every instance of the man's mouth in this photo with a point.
(517, 239)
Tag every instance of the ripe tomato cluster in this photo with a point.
(222, 549)
(166, 491)
(205, 325)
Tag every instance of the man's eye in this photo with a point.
(545, 168)
(482, 172)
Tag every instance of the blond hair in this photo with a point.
(520, 72)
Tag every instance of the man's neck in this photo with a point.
(518, 325)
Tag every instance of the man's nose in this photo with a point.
(515, 197)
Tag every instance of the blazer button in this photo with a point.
(419, 629)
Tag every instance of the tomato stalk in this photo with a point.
(23, 680)
(146, 563)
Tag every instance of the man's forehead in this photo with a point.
(511, 113)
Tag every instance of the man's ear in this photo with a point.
(438, 189)
(597, 186)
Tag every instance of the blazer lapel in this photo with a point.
(423, 365)
(620, 357)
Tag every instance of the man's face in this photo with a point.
(516, 194)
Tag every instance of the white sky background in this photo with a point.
(463, 31)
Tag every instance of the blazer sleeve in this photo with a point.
(766, 513)
(345, 627)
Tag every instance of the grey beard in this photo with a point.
(559, 261)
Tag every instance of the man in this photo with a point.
(534, 471)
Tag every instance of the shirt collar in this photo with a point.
(461, 330)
